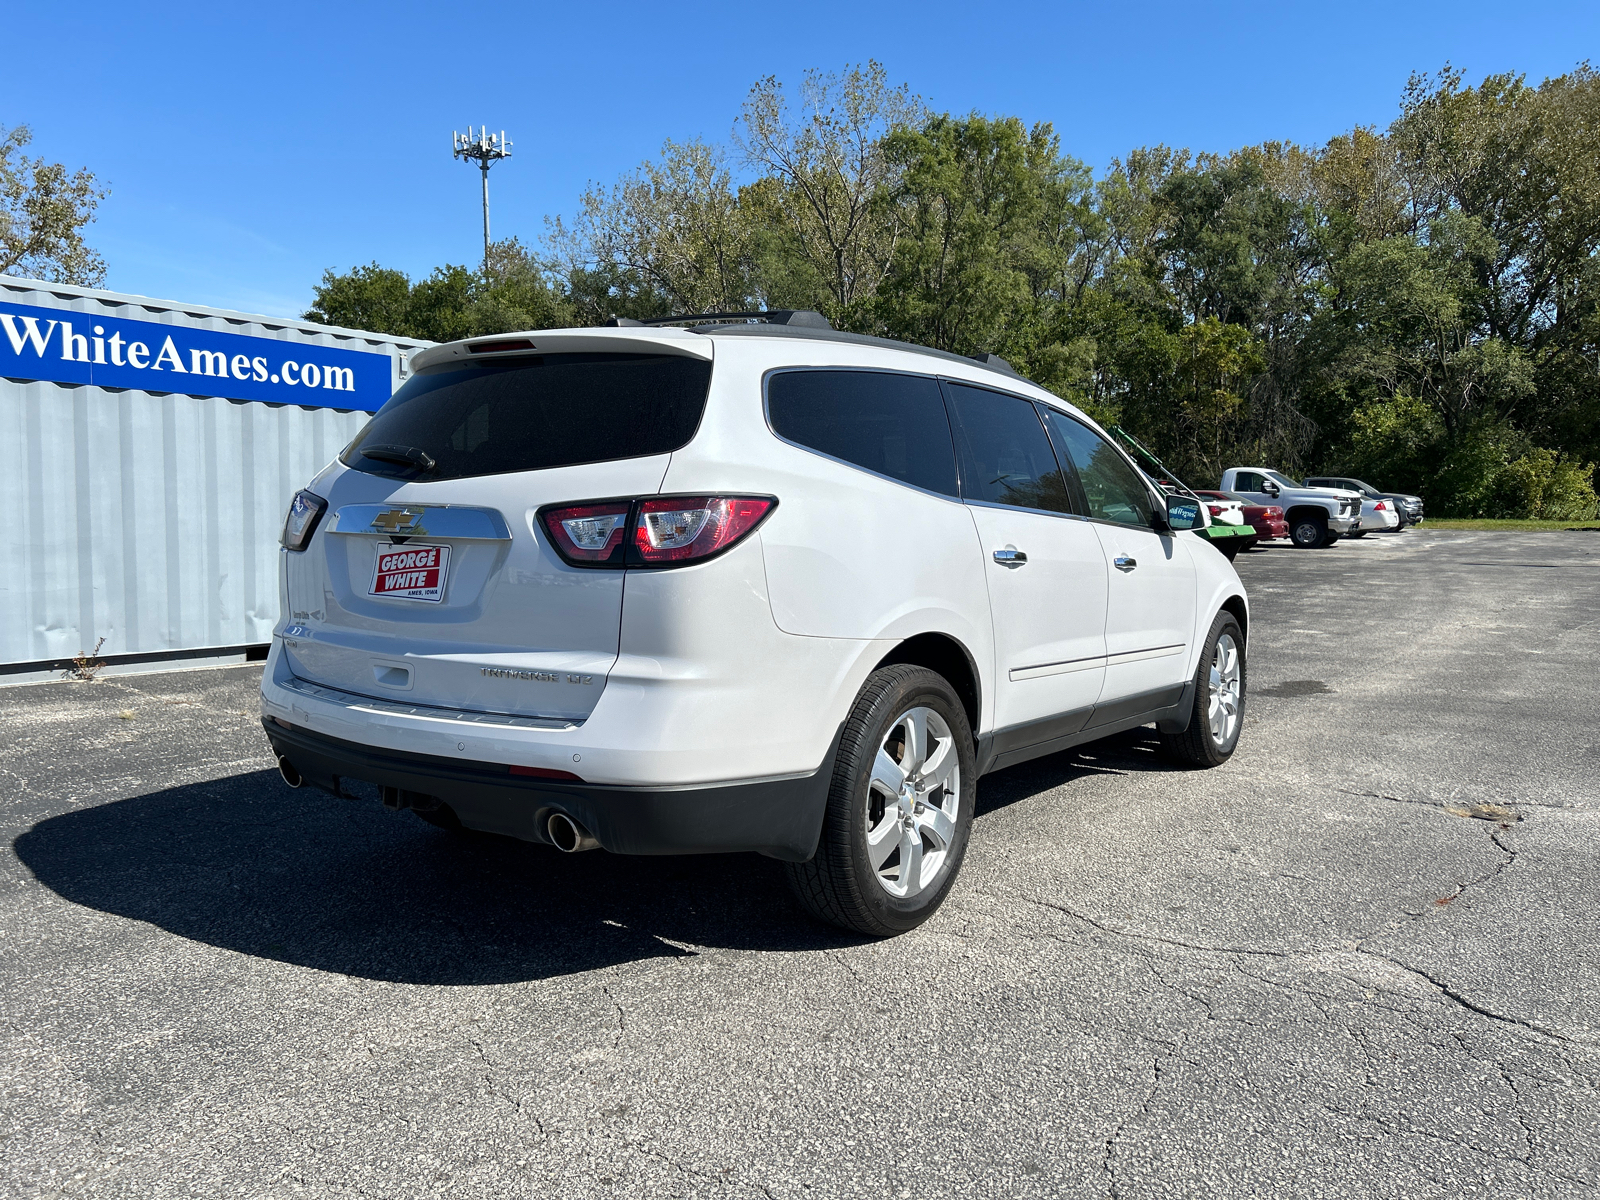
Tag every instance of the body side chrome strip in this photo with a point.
(1153, 652)
(1088, 664)
(1058, 668)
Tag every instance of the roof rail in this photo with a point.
(806, 323)
(803, 317)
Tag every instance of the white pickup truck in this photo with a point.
(1317, 517)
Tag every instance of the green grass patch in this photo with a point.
(1510, 525)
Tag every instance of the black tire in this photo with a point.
(839, 884)
(1230, 548)
(1309, 532)
(1355, 533)
(1198, 745)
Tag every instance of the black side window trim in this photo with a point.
(1069, 469)
(766, 416)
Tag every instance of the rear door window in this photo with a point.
(890, 424)
(1005, 454)
(1112, 488)
(525, 414)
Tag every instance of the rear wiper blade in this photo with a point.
(405, 456)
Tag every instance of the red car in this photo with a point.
(1266, 519)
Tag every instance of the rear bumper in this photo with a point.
(1267, 530)
(781, 818)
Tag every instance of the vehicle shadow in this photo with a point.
(343, 885)
(246, 864)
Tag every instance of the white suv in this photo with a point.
(741, 586)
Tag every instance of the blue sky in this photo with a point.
(247, 153)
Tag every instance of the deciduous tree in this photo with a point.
(43, 210)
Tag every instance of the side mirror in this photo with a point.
(1183, 513)
(1271, 488)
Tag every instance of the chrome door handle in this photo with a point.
(1123, 563)
(1011, 558)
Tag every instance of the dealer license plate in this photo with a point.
(411, 571)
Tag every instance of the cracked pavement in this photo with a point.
(1362, 959)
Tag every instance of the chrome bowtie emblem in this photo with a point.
(399, 520)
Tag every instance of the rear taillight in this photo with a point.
(589, 535)
(659, 531)
(678, 530)
(1380, 506)
(305, 510)
(1216, 509)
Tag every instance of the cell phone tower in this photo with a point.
(485, 149)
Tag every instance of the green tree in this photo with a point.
(43, 210)
(971, 193)
(674, 227)
(451, 302)
(370, 297)
(827, 176)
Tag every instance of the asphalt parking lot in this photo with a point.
(1362, 959)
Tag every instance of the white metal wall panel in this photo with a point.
(151, 521)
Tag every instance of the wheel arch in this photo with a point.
(1305, 510)
(1236, 605)
(944, 655)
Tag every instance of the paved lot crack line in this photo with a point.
(1360, 947)
(1109, 1161)
(489, 1082)
(1450, 993)
(1152, 937)
(622, 1017)
(845, 963)
(1453, 807)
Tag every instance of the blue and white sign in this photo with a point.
(73, 347)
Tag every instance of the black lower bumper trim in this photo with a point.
(781, 818)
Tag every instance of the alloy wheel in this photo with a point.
(1224, 703)
(913, 800)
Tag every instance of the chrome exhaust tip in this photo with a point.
(290, 775)
(568, 836)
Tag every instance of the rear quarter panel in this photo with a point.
(848, 555)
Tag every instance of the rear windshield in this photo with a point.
(524, 414)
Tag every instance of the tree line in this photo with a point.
(1417, 306)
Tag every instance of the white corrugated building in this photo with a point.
(150, 449)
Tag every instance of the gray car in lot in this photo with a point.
(1408, 506)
